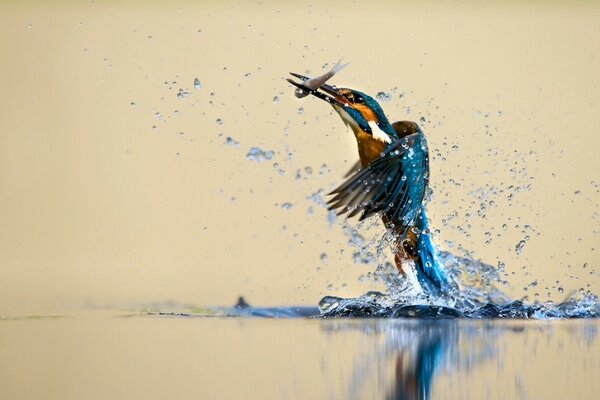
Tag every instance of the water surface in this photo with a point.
(99, 355)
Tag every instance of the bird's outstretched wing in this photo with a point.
(393, 184)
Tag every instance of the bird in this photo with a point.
(391, 180)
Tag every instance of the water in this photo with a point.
(476, 297)
(383, 96)
(257, 154)
(185, 356)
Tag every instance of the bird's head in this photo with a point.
(359, 111)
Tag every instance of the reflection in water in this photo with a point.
(417, 352)
(414, 371)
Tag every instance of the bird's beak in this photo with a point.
(329, 93)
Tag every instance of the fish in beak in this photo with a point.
(316, 83)
(318, 88)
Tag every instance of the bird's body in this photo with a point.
(392, 183)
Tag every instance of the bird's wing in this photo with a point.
(393, 184)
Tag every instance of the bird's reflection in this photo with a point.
(417, 352)
(415, 366)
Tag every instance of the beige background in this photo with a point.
(102, 203)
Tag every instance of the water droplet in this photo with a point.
(561, 289)
(256, 154)
(422, 119)
(287, 206)
(331, 217)
(363, 257)
(158, 115)
(229, 141)
(219, 121)
(132, 104)
(183, 93)
(275, 99)
(519, 247)
(197, 84)
(383, 96)
(323, 257)
(300, 111)
(248, 74)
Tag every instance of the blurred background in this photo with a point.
(125, 129)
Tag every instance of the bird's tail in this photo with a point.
(429, 270)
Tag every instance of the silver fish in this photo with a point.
(315, 83)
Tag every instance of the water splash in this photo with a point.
(477, 294)
(470, 302)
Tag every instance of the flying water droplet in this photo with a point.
(383, 96)
(519, 247)
(256, 154)
(183, 93)
(323, 257)
(331, 217)
(363, 257)
(229, 141)
(197, 84)
(287, 206)
(219, 121)
(275, 99)
(300, 111)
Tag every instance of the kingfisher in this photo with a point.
(391, 180)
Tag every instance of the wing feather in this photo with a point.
(393, 184)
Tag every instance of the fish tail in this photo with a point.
(338, 67)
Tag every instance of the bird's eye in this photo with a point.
(359, 99)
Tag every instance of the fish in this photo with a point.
(315, 83)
